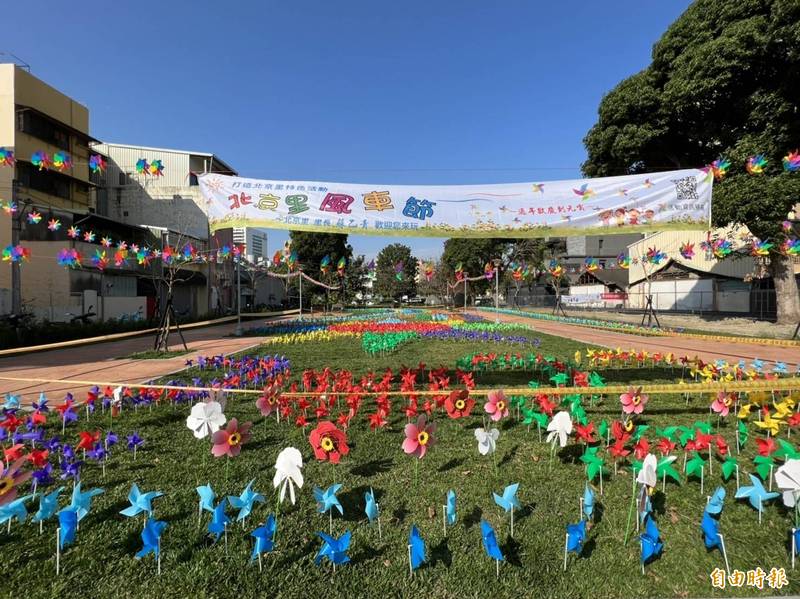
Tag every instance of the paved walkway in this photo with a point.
(101, 361)
(706, 350)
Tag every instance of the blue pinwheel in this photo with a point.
(509, 500)
(244, 502)
(15, 510)
(451, 507)
(780, 368)
(334, 549)
(714, 505)
(650, 541)
(140, 502)
(416, 546)
(264, 536)
(327, 500)
(11, 402)
(576, 535)
(207, 497)
(756, 494)
(490, 542)
(68, 525)
(588, 502)
(48, 504)
(219, 521)
(710, 528)
(151, 536)
(41, 405)
(82, 502)
(758, 365)
(370, 505)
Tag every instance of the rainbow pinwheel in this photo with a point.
(791, 162)
(10, 207)
(53, 224)
(584, 191)
(97, 164)
(41, 160)
(69, 258)
(89, 236)
(721, 248)
(34, 217)
(341, 265)
(624, 261)
(791, 246)
(73, 232)
(760, 248)
(428, 270)
(15, 253)
(538, 188)
(720, 167)
(755, 164)
(398, 271)
(7, 157)
(555, 269)
(591, 264)
(687, 250)
(325, 264)
(291, 261)
(488, 270)
(655, 256)
(62, 161)
(156, 168)
(142, 167)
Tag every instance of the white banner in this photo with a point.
(607, 205)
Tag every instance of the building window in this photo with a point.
(193, 180)
(43, 128)
(599, 244)
(45, 181)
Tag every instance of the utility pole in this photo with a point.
(16, 227)
(496, 262)
(238, 331)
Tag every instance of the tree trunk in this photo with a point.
(787, 299)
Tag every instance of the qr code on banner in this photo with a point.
(686, 188)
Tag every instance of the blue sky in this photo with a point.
(448, 92)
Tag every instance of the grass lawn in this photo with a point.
(101, 563)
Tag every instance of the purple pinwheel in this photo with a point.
(53, 445)
(41, 405)
(69, 415)
(43, 476)
(134, 442)
(71, 469)
(98, 453)
(111, 439)
(67, 451)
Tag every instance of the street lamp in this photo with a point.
(238, 331)
(497, 262)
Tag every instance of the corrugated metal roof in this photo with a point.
(169, 150)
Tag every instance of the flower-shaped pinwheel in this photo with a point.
(10, 480)
(559, 429)
(459, 404)
(633, 401)
(487, 440)
(288, 472)
(722, 404)
(496, 405)
(419, 437)
(229, 441)
(328, 442)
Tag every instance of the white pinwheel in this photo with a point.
(287, 472)
(560, 427)
(205, 419)
(487, 440)
(787, 478)
(647, 475)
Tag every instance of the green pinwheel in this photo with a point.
(640, 430)
(695, 466)
(664, 469)
(729, 467)
(602, 429)
(594, 463)
(559, 379)
(742, 434)
(786, 451)
(764, 465)
(703, 426)
(530, 416)
(686, 434)
(667, 432)
(595, 380)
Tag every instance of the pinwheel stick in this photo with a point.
(724, 553)
(58, 551)
(630, 512)
(566, 545)
(158, 559)
(512, 521)
(444, 519)
(794, 547)
(410, 565)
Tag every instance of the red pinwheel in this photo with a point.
(377, 421)
(585, 433)
(722, 446)
(665, 446)
(618, 449)
(14, 452)
(641, 448)
(87, 440)
(328, 442)
(38, 457)
(459, 404)
(766, 447)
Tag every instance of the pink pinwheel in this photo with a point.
(10, 480)
(229, 440)
(496, 406)
(722, 404)
(633, 401)
(419, 436)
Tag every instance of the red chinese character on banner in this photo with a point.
(238, 200)
(336, 202)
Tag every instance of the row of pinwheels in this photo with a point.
(62, 161)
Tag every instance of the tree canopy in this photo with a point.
(724, 81)
(387, 283)
(473, 255)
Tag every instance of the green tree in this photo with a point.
(386, 283)
(724, 81)
(473, 255)
(311, 248)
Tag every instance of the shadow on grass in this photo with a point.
(473, 518)
(441, 553)
(400, 513)
(372, 468)
(511, 552)
(454, 463)
(510, 455)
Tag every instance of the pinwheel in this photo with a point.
(791, 246)
(48, 504)
(756, 494)
(791, 162)
(428, 271)
(487, 440)
(341, 265)
(450, 508)
(555, 269)
(73, 232)
(328, 442)
(264, 536)
(142, 166)
(759, 249)
(151, 539)
(229, 441)
(633, 401)
(720, 167)
(219, 521)
(654, 256)
(156, 168)
(133, 442)
(496, 405)
(755, 164)
(508, 501)
(89, 236)
(34, 217)
(10, 480)
(41, 160)
(370, 505)
(244, 502)
(488, 271)
(584, 191)
(207, 497)
(419, 437)
(576, 535)
(459, 404)
(205, 418)
(650, 540)
(716, 501)
(722, 404)
(416, 549)
(97, 164)
(588, 502)
(334, 549)
(325, 264)
(7, 157)
(559, 429)
(623, 261)
(62, 161)
(53, 225)
(288, 473)
(787, 478)
(591, 264)
(15, 510)
(710, 529)
(81, 502)
(15, 253)
(67, 527)
(687, 250)
(490, 545)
